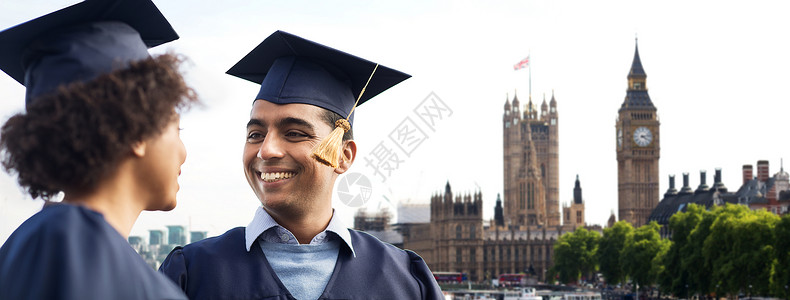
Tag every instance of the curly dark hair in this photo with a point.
(71, 138)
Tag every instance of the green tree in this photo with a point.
(780, 280)
(574, 254)
(694, 263)
(609, 248)
(672, 277)
(641, 248)
(741, 248)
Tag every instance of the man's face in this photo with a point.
(278, 159)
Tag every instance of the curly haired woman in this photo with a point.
(101, 127)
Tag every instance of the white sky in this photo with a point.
(717, 72)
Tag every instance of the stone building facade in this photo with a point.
(531, 163)
(458, 240)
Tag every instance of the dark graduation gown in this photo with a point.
(221, 268)
(70, 252)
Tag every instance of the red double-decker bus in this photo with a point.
(512, 280)
(448, 277)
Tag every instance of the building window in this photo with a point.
(472, 231)
(458, 232)
(543, 171)
(532, 254)
(458, 256)
(472, 255)
(579, 217)
(516, 255)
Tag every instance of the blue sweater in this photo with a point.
(303, 269)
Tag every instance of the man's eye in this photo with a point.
(295, 134)
(253, 136)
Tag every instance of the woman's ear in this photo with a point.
(138, 149)
(347, 156)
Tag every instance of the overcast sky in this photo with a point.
(717, 72)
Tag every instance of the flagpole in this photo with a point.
(530, 74)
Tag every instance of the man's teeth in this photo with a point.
(270, 177)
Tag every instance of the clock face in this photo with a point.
(643, 136)
(620, 137)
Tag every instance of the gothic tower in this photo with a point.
(638, 149)
(531, 163)
(457, 232)
(573, 213)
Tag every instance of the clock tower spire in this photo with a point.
(638, 149)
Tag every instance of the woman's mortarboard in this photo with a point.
(81, 42)
(291, 69)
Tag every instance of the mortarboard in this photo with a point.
(291, 69)
(81, 42)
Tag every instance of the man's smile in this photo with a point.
(276, 176)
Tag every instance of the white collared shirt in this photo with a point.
(264, 228)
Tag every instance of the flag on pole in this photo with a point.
(522, 64)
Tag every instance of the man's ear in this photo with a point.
(138, 149)
(347, 156)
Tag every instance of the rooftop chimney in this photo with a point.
(686, 188)
(703, 187)
(762, 170)
(672, 190)
(717, 184)
(748, 174)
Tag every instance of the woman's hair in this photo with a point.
(71, 138)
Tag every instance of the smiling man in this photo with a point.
(295, 248)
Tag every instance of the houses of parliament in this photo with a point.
(527, 217)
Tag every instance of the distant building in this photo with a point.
(764, 191)
(195, 236)
(771, 193)
(378, 225)
(176, 235)
(573, 213)
(638, 149)
(611, 221)
(457, 240)
(677, 201)
(531, 163)
(156, 237)
(138, 244)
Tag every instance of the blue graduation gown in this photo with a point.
(221, 268)
(70, 252)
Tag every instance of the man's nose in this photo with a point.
(271, 147)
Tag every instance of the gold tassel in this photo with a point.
(328, 151)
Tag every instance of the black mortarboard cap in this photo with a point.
(291, 69)
(81, 42)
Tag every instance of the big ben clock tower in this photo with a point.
(638, 149)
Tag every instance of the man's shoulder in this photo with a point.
(365, 242)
